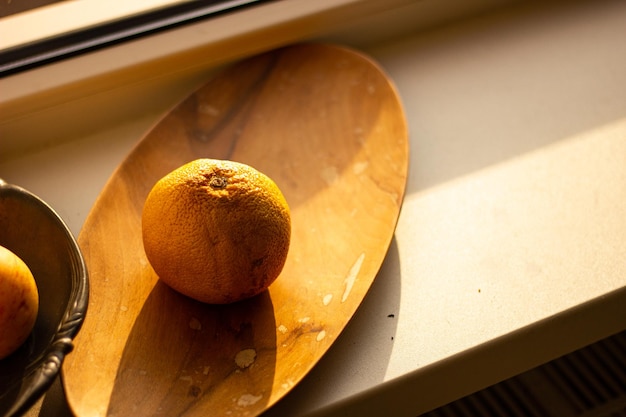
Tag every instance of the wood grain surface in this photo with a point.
(327, 125)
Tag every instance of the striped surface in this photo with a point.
(590, 382)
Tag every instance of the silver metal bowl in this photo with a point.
(32, 230)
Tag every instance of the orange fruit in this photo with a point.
(216, 231)
(19, 302)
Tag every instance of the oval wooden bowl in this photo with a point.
(327, 125)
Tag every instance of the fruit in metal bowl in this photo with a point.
(19, 302)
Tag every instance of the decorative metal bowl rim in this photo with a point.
(49, 364)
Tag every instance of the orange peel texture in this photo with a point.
(216, 231)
